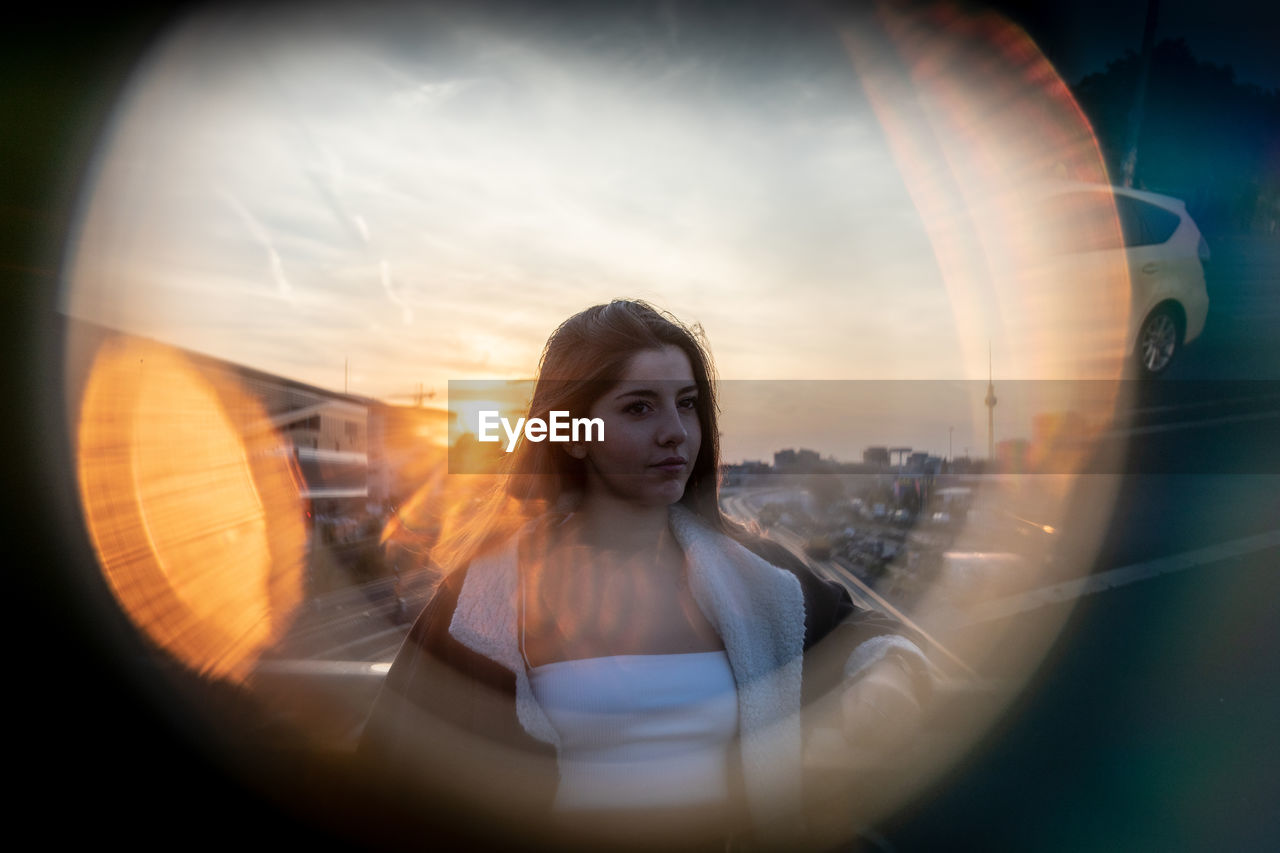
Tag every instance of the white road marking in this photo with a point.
(1203, 404)
(1180, 425)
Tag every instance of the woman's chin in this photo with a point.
(672, 494)
(662, 496)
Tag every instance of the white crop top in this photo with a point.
(640, 731)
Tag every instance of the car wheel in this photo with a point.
(1158, 342)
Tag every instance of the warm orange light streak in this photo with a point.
(468, 415)
(982, 127)
(977, 121)
(443, 506)
(191, 506)
(458, 483)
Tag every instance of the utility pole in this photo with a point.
(990, 402)
(1140, 96)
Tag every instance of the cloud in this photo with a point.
(389, 288)
(436, 210)
(283, 288)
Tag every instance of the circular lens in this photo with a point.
(320, 242)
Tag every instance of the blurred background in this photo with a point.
(1121, 575)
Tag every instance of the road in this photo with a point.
(1239, 339)
(1151, 725)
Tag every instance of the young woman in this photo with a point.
(609, 648)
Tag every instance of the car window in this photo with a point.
(1158, 223)
(1131, 225)
(1143, 223)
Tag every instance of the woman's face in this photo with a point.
(651, 431)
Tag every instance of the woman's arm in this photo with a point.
(881, 708)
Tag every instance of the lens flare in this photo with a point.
(191, 505)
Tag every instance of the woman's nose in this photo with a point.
(671, 430)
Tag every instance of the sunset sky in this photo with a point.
(423, 197)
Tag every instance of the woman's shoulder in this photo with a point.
(826, 603)
(774, 552)
(784, 558)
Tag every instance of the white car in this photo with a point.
(1165, 255)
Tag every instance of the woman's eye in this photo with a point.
(639, 407)
(689, 403)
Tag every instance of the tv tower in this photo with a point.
(991, 408)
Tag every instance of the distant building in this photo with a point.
(876, 456)
(743, 473)
(748, 466)
(798, 461)
(808, 460)
(922, 463)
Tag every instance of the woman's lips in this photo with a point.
(671, 464)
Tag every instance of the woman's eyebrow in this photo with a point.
(649, 394)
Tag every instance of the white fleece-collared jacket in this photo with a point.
(460, 678)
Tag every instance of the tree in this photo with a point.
(1205, 137)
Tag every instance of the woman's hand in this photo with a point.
(880, 710)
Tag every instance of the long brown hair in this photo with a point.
(585, 357)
